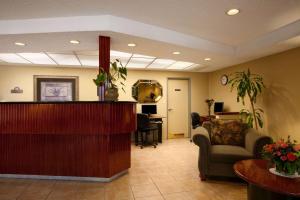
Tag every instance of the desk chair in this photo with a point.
(144, 129)
(196, 122)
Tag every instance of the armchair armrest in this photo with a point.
(201, 138)
(254, 142)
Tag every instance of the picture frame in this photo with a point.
(56, 88)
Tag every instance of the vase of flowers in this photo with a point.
(209, 102)
(285, 156)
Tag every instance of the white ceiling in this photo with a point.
(196, 28)
(90, 59)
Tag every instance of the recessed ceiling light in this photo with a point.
(74, 42)
(233, 11)
(207, 59)
(131, 45)
(20, 44)
(176, 52)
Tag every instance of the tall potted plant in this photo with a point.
(117, 74)
(250, 85)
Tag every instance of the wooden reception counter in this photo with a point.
(72, 140)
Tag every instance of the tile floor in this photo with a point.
(168, 172)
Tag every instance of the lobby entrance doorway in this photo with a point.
(178, 108)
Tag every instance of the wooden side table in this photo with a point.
(263, 185)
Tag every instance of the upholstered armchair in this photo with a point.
(218, 160)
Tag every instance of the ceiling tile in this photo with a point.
(122, 56)
(180, 65)
(161, 63)
(142, 56)
(139, 62)
(64, 59)
(88, 53)
(91, 61)
(38, 58)
(194, 67)
(12, 58)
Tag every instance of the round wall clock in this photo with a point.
(224, 79)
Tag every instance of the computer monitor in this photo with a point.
(149, 109)
(218, 107)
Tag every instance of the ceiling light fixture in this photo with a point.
(74, 42)
(131, 45)
(233, 11)
(207, 59)
(20, 44)
(176, 52)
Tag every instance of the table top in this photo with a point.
(257, 173)
(155, 116)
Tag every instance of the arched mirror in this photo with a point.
(147, 91)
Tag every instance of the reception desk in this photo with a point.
(68, 140)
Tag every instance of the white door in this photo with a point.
(178, 108)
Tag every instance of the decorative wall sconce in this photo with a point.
(16, 90)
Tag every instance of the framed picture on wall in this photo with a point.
(56, 88)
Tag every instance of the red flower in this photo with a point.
(268, 148)
(278, 153)
(283, 158)
(291, 157)
(283, 145)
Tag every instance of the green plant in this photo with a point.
(250, 85)
(101, 78)
(116, 73)
(249, 118)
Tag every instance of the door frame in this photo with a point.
(189, 103)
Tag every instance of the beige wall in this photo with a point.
(281, 98)
(11, 76)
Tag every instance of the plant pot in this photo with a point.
(111, 94)
(101, 92)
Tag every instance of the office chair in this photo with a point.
(195, 122)
(144, 129)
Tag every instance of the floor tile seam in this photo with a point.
(24, 190)
(51, 191)
(157, 188)
(132, 191)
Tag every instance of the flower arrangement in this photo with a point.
(285, 155)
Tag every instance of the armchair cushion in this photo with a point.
(228, 133)
(229, 153)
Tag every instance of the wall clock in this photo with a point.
(224, 79)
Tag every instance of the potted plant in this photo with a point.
(250, 85)
(107, 82)
(285, 155)
(100, 83)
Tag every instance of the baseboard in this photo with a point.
(65, 178)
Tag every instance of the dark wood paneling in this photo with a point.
(104, 52)
(69, 118)
(86, 139)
